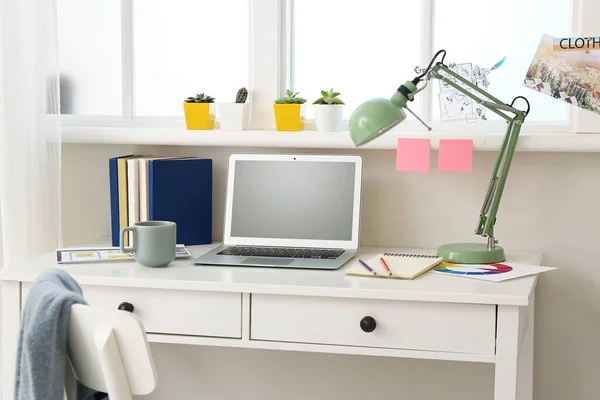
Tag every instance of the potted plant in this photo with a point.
(234, 116)
(199, 112)
(289, 112)
(329, 110)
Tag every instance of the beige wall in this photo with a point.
(550, 206)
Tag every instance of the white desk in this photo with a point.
(433, 317)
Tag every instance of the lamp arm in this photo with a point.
(489, 209)
(493, 106)
(487, 216)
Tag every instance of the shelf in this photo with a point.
(555, 142)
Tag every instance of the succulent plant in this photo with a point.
(290, 98)
(328, 97)
(241, 95)
(200, 98)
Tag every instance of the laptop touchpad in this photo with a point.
(267, 261)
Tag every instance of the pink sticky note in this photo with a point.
(455, 155)
(413, 155)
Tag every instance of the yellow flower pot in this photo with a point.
(289, 117)
(199, 115)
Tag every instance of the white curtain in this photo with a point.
(29, 130)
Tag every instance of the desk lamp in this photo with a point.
(377, 116)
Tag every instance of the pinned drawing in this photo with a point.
(480, 77)
(455, 106)
(465, 70)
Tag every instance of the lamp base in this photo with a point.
(471, 253)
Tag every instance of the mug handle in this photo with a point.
(128, 250)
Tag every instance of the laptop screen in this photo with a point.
(285, 199)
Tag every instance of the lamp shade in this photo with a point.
(377, 116)
(373, 118)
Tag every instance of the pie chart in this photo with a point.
(463, 269)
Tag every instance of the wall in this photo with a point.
(550, 206)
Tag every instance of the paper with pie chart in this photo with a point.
(490, 272)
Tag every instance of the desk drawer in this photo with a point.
(180, 312)
(459, 328)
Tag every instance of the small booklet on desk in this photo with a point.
(395, 265)
(93, 254)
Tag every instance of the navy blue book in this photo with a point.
(113, 175)
(180, 190)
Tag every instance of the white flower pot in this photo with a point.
(234, 116)
(329, 117)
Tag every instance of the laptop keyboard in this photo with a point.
(282, 252)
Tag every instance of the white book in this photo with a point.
(143, 194)
(133, 194)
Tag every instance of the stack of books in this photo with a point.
(147, 188)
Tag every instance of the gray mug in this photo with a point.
(154, 242)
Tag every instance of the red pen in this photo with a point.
(386, 267)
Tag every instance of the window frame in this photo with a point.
(270, 53)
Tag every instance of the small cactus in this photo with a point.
(241, 96)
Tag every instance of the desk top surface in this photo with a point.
(183, 275)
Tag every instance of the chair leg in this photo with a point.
(112, 364)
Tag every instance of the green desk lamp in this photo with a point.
(377, 116)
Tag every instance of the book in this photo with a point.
(402, 265)
(180, 190)
(122, 179)
(133, 194)
(119, 192)
(93, 254)
(144, 214)
(143, 179)
(114, 198)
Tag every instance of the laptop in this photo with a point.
(290, 211)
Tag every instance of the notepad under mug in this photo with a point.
(402, 265)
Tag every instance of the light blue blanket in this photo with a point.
(42, 353)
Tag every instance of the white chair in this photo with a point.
(109, 352)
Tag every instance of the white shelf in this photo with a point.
(588, 143)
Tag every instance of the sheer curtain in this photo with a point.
(29, 130)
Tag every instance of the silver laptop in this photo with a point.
(290, 211)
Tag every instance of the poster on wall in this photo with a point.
(567, 69)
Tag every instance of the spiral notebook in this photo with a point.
(402, 265)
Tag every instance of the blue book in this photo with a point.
(180, 190)
(114, 198)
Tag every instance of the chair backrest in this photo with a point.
(109, 352)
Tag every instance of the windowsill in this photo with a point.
(539, 142)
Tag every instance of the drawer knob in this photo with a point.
(125, 306)
(368, 324)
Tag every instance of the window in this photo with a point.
(172, 50)
(356, 48)
(89, 34)
(373, 49)
(482, 32)
(133, 62)
(181, 47)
